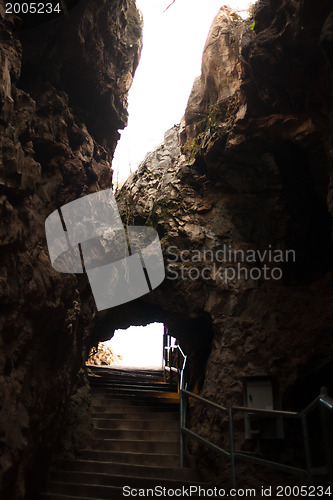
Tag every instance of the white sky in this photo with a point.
(140, 346)
(173, 42)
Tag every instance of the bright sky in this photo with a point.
(173, 42)
(140, 346)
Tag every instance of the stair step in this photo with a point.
(126, 370)
(139, 395)
(144, 416)
(102, 479)
(113, 468)
(130, 409)
(132, 457)
(137, 445)
(138, 384)
(136, 424)
(154, 386)
(134, 403)
(136, 440)
(128, 390)
(89, 491)
(137, 435)
(132, 397)
(122, 376)
(59, 496)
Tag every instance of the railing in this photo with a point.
(323, 401)
(174, 362)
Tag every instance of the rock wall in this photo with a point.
(102, 354)
(248, 170)
(63, 90)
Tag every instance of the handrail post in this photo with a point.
(327, 433)
(178, 369)
(307, 447)
(181, 426)
(164, 352)
(232, 449)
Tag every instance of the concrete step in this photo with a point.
(137, 446)
(101, 479)
(138, 395)
(89, 491)
(133, 402)
(137, 435)
(116, 468)
(128, 380)
(59, 496)
(126, 371)
(136, 440)
(136, 424)
(117, 494)
(109, 408)
(130, 389)
(156, 386)
(122, 379)
(132, 457)
(130, 399)
(144, 416)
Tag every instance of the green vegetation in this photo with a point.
(196, 146)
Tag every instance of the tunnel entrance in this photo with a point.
(136, 347)
(140, 326)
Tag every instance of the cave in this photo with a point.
(193, 332)
(237, 199)
(139, 346)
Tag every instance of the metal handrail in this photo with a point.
(204, 400)
(326, 401)
(184, 394)
(274, 413)
(182, 378)
(232, 454)
(179, 370)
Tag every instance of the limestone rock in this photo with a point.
(62, 84)
(103, 355)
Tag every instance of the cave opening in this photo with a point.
(148, 320)
(139, 346)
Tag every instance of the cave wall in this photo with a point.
(63, 97)
(248, 168)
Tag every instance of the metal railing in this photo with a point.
(323, 401)
(174, 362)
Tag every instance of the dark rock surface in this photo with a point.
(249, 168)
(59, 82)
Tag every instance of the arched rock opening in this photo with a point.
(193, 330)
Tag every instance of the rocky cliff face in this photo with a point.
(247, 173)
(240, 193)
(63, 89)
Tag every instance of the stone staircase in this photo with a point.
(135, 443)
